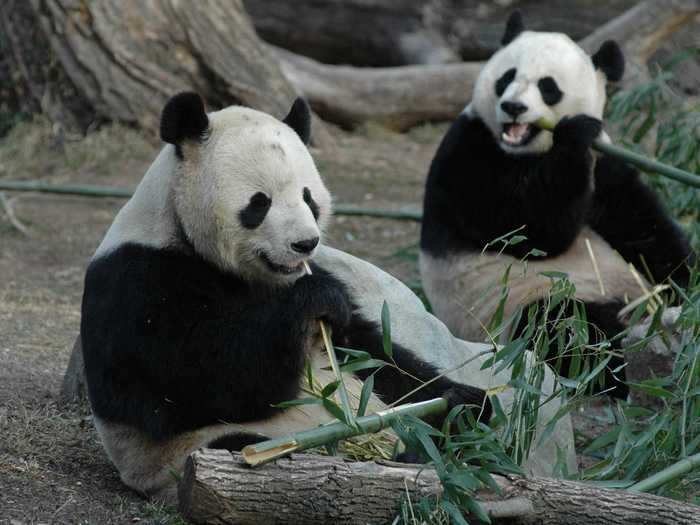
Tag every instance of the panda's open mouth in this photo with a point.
(281, 268)
(517, 134)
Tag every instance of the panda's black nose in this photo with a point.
(306, 246)
(513, 108)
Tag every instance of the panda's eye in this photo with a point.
(502, 83)
(551, 94)
(254, 214)
(260, 200)
(311, 203)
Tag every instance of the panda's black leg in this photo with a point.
(603, 324)
(393, 383)
(237, 441)
(632, 219)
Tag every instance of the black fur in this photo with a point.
(254, 214)
(236, 442)
(299, 119)
(183, 118)
(551, 94)
(603, 325)
(311, 203)
(631, 218)
(476, 193)
(171, 343)
(503, 82)
(610, 60)
(514, 26)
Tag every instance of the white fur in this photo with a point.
(536, 55)
(246, 152)
(466, 304)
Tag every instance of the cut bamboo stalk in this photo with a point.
(330, 350)
(670, 473)
(316, 437)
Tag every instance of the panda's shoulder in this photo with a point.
(144, 274)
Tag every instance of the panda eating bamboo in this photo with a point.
(496, 172)
(198, 318)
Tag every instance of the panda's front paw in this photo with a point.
(579, 130)
(473, 398)
(323, 298)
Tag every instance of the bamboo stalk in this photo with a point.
(662, 477)
(88, 190)
(642, 162)
(330, 350)
(316, 437)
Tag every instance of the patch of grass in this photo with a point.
(35, 150)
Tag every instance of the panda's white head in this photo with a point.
(536, 76)
(246, 191)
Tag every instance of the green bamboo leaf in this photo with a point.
(329, 389)
(386, 331)
(333, 409)
(367, 389)
(354, 366)
(297, 402)
(454, 512)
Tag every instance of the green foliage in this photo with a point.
(652, 119)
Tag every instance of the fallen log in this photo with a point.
(401, 97)
(395, 97)
(218, 487)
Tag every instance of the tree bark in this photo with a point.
(384, 33)
(74, 387)
(396, 97)
(356, 32)
(218, 487)
(401, 97)
(126, 58)
(641, 30)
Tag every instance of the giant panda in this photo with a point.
(198, 317)
(496, 172)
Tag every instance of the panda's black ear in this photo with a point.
(299, 119)
(610, 60)
(514, 26)
(183, 118)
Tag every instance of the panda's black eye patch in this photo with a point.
(254, 214)
(309, 200)
(502, 83)
(551, 94)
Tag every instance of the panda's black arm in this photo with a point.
(172, 344)
(391, 384)
(632, 219)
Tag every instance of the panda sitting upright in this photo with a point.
(197, 316)
(496, 172)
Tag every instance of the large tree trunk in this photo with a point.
(641, 31)
(356, 32)
(218, 487)
(400, 97)
(124, 58)
(384, 33)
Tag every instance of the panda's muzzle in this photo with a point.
(518, 133)
(281, 268)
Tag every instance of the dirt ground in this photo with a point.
(52, 467)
